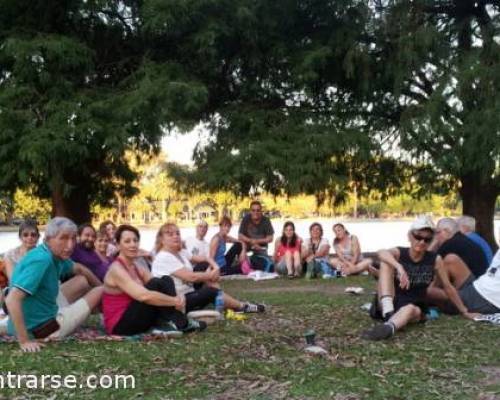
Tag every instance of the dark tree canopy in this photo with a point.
(76, 92)
(307, 96)
(439, 90)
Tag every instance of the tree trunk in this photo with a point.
(75, 206)
(479, 202)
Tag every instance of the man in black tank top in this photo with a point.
(405, 275)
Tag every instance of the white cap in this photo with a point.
(422, 222)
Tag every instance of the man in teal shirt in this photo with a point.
(33, 299)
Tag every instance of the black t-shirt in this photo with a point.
(420, 273)
(470, 253)
(256, 231)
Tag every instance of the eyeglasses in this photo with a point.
(30, 234)
(256, 210)
(419, 238)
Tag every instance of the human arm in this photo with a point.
(14, 303)
(9, 268)
(391, 257)
(186, 275)
(79, 269)
(120, 279)
(323, 250)
(356, 249)
(276, 248)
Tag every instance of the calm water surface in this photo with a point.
(373, 235)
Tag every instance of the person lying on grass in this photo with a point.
(199, 288)
(405, 275)
(34, 308)
(134, 301)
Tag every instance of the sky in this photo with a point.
(179, 147)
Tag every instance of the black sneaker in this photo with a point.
(167, 329)
(375, 312)
(194, 325)
(379, 332)
(387, 316)
(254, 308)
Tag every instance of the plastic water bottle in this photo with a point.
(219, 303)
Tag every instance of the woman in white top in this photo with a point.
(348, 252)
(29, 235)
(315, 252)
(173, 261)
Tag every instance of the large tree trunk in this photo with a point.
(479, 202)
(75, 206)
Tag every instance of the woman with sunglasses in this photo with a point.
(29, 235)
(405, 275)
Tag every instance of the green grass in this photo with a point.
(263, 357)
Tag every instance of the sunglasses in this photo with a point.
(30, 234)
(419, 238)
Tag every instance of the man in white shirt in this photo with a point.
(197, 247)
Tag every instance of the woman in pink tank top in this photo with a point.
(287, 252)
(133, 301)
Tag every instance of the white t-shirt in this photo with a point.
(196, 247)
(323, 242)
(166, 263)
(488, 284)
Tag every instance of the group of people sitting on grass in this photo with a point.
(55, 286)
(447, 266)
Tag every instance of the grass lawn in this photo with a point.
(263, 357)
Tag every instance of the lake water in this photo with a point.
(373, 235)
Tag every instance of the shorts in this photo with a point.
(474, 301)
(61, 300)
(403, 299)
(70, 318)
(468, 281)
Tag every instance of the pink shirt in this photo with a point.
(113, 308)
(282, 249)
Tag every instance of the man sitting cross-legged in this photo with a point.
(33, 309)
(405, 275)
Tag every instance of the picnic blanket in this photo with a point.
(91, 334)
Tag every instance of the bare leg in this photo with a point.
(289, 263)
(405, 315)
(456, 269)
(297, 263)
(457, 272)
(231, 303)
(75, 288)
(93, 297)
(358, 268)
(386, 281)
